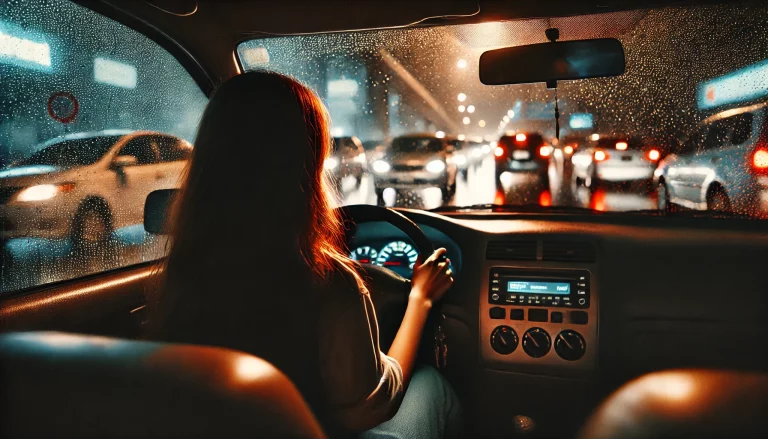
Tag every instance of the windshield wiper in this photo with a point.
(521, 208)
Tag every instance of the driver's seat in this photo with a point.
(65, 385)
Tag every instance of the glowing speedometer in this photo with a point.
(398, 256)
(364, 255)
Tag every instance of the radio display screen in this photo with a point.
(536, 287)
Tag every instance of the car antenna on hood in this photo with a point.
(553, 34)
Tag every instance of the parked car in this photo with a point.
(614, 159)
(416, 161)
(348, 159)
(523, 152)
(72, 186)
(723, 165)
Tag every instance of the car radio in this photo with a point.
(555, 288)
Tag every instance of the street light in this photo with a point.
(471, 109)
(461, 64)
(462, 97)
(511, 114)
(505, 119)
(481, 123)
(466, 121)
(461, 108)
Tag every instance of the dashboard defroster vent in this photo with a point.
(568, 251)
(511, 250)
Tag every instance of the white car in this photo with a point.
(85, 185)
(615, 160)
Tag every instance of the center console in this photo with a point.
(539, 320)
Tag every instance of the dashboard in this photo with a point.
(572, 306)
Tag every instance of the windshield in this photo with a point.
(686, 72)
(71, 153)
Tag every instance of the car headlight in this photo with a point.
(460, 160)
(42, 192)
(380, 166)
(331, 163)
(436, 166)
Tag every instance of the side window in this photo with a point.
(718, 134)
(742, 128)
(144, 148)
(74, 83)
(173, 149)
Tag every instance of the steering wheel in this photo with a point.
(389, 291)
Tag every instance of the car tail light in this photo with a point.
(600, 155)
(498, 151)
(760, 160)
(654, 155)
(545, 150)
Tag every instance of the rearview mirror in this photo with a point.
(123, 161)
(551, 62)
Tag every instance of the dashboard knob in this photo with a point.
(536, 342)
(570, 345)
(504, 340)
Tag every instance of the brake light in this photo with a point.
(498, 151)
(621, 146)
(520, 137)
(760, 159)
(654, 155)
(545, 150)
(600, 155)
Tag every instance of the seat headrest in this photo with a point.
(65, 385)
(157, 208)
(697, 404)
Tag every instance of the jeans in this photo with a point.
(430, 410)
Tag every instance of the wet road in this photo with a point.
(32, 261)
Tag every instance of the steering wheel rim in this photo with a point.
(360, 213)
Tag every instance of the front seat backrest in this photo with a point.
(65, 385)
(698, 404)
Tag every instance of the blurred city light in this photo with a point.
(511, 114)
(481, 123)
(580, 121)
(107, 71)
(440, 134)
(520, 137)
(466, 121)
(462, 63)
(505, 119)
(462, 137)
(337, 131)
(462, 97)
(461, 108)
(654, 155)
(568, 149)
(471, 109)
(621, 146)
(595, 137)
(23, 52)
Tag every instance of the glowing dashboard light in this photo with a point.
(654, 155)
(520, 137)
(545, 150)
(435, 166)
(600, 155)
(380, 166)
(595, 137)
(42, 192)
(440, 134)
(471, 109)
(621, 146)
(498, 151)
(331, 163)
(462, 64)
(462, 108)
(461, 97)
(466, 121)
(760, 159)
(568, 149)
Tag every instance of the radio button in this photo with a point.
(579, 317)
(516, 314)
(498, 312)
(494, 296)
(538, 315)
(556, 317)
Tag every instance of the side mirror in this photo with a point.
(156, 210)
(123, 161)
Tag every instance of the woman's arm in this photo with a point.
(430, 281)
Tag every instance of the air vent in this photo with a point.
(568, 251)
(511, 250)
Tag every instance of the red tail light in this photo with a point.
(600, 155)
(654, 155)
(498, 151)
(760, 160)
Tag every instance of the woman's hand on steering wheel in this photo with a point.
(431, 278)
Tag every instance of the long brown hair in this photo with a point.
(255, 220)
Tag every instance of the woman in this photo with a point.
(257, 265)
